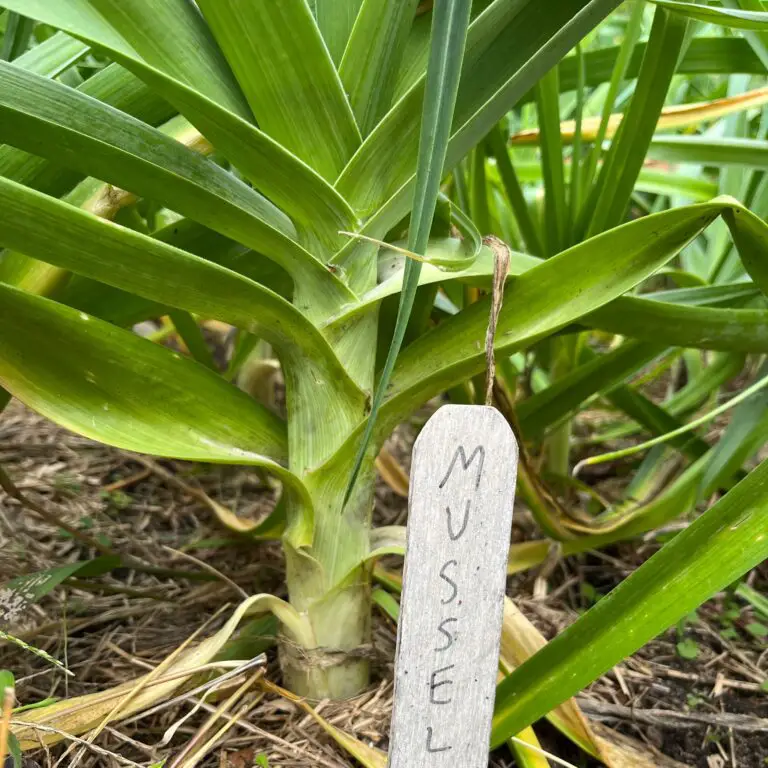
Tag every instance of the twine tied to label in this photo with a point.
(323, 658)
(500, 252)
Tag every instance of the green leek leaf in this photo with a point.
(724, 543)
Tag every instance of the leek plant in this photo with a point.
(227, 160)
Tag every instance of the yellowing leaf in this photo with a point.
(676, 116)
(83, 713)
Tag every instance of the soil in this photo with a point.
(111, 629)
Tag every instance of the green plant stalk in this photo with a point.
(329, 582)
(556, 229)
(757, 600)
(478, 209)
(529, 228)
(613, 189)
(565, 355)
(627, 49)
(548, 110)
(18, 31)
(577, 170)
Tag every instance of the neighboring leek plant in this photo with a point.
(547, 180)
(215, 170)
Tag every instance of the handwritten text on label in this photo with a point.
(462, 492)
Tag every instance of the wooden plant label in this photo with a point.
(462, 491)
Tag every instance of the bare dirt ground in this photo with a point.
(709, 710)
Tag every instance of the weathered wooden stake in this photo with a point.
(462, 490)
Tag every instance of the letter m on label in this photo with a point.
(466, 463)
